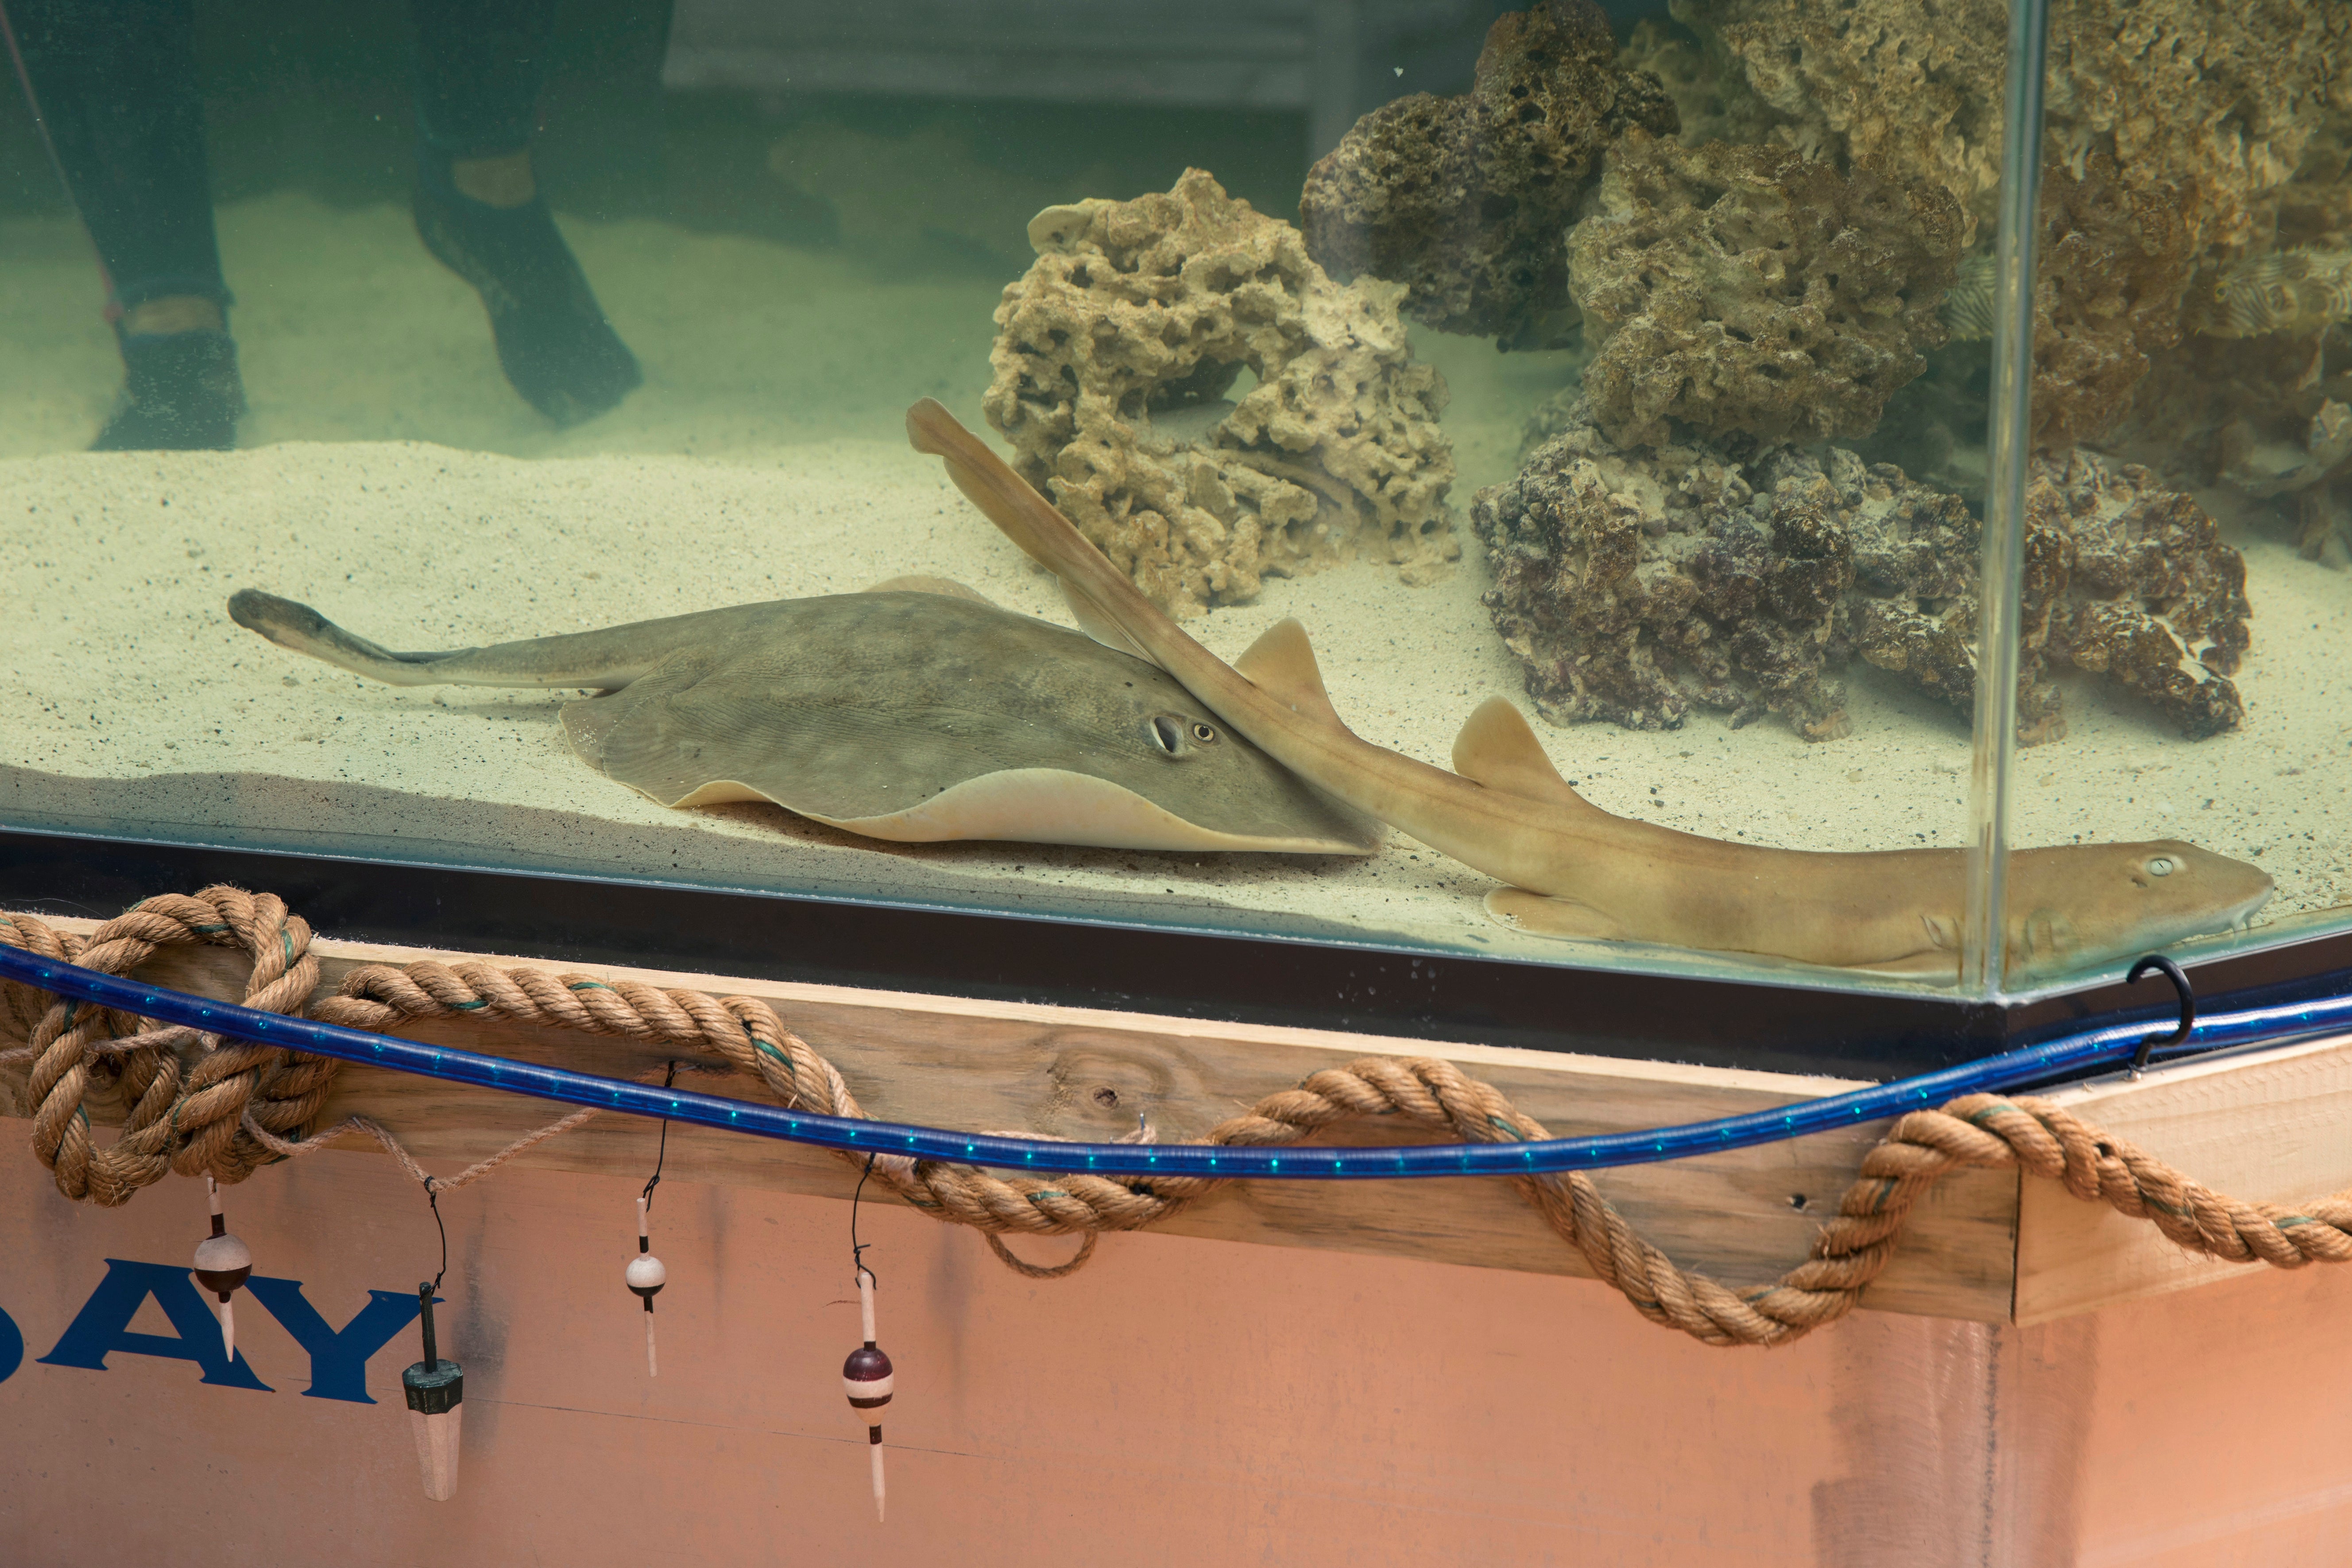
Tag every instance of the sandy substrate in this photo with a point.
(763, 460)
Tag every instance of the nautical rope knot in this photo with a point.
(187, 1096)
(196, 1103)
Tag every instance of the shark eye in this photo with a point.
(2162, 866)
(1204, 733)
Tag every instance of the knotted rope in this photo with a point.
(177, 1117)
(234, 1107)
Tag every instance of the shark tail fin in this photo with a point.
(996, 489)
(1496, 749)
(1281, 664)
(1026, 518)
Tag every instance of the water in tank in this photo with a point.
(1405, 472)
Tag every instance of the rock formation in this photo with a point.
(1464, 200)
(1114, 358)
(1635, 583)
(1751, 289)
(2183, 138)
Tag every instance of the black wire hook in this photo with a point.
(2187, 1007)
(661, 1155)
(856, 1248)
(433, 1198)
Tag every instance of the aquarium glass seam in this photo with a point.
(2001, 559)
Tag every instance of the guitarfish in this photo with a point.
(917, 712)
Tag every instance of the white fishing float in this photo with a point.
(647, 1277)
(867, 1378)
(223, 1263)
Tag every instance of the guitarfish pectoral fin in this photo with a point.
(924, 583)
(1496, 748)
(1053, 805)
(1281, 663)
(1544, 915)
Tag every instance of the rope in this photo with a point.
(187, 1096)
(1020, 1266)
(237, 1105)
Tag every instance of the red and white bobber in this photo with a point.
(867, 1378)
(223, 1263)
(647, 1277)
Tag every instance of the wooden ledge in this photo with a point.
(2267, 1126)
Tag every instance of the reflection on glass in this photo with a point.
(2180, 606)
(1226, 289)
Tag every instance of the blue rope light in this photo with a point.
(2066, 1055)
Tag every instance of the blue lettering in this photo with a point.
(337, 1361)
(12, 1348)
(103, 1325)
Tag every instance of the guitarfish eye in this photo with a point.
(2162, 866)
(1204, 733)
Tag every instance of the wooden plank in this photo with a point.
(2269, 1127)
(1743, 1216)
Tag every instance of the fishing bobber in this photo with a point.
(437, 1410)
(865, 1377)
(647, 1277)
(223, 1263)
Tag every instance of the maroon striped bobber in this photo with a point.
(867, 1378)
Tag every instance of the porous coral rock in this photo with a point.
(2155, 600)
(2223, 103)
(1710, 95)
(1752, 289)
(1463, 199)
(2114, 265)
(2250, 413)
(2122, 578)
(1635, 583)
(2201, 135)
(1112, 360)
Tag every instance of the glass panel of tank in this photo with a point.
(1620, 645)
(2184, 596)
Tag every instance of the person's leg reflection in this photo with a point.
(115, 83)
(480, 64)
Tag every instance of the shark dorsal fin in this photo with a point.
(1496, 749)
(1100, 626)
(1281, 664)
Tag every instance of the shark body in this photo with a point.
(1576, 871)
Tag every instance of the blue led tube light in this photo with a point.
(2067, 1056)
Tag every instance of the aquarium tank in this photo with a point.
(1841, 494)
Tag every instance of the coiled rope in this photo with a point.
(196, 1103)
